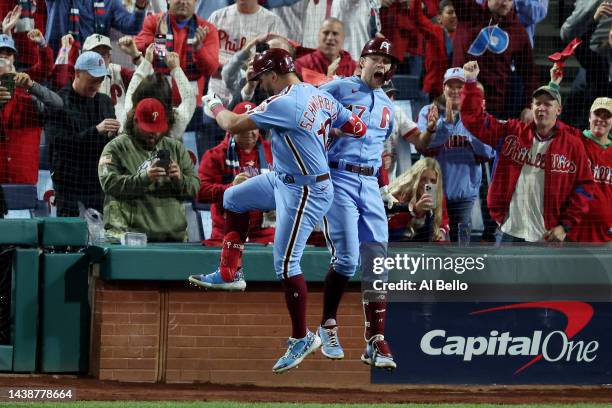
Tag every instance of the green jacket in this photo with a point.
(133, 203)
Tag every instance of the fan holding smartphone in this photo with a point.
(420, 189)
(150, 171)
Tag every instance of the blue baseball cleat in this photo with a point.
(378, 354)
(297, 350)
(330, 347)
(215, 281)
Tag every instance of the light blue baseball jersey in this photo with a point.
(374, 108)
(300, 118)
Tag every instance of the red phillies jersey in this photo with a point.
(596, 225)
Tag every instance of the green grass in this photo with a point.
(222, 404)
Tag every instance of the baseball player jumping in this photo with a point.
(356, 224)
(299, 117)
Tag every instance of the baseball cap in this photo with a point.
(389, 87)
(602, 103)
(95, 40)
(7, 42)
(151, 116)
(92, 62)
(244, 107)
(454, 73)
(553, 92)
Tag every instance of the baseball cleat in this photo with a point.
(330, 346)
(378, 354)
(214, 281)
(297, 350)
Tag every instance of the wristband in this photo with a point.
(136, 58)
(216, 109)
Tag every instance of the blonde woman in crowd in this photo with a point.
(420, 189)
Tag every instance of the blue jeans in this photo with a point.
(503, 238)
(459, 211)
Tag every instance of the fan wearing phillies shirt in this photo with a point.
(356, 225)
(238, 157)
(299, 118)
(596, 225)
(542, 183)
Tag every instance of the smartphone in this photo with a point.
(163, 155)
(431, 189)
(160, 47)
(8, 81)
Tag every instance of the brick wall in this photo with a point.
(125, 332)
(174, 333)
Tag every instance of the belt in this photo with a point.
(353, 168)
(303, 180)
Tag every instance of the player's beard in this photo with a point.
(268, 90)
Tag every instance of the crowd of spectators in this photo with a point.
(115, 84)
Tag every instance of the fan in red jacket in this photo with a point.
(596, 225)
(22, 113)
(18, 22)
(439, 45)
(399, 27)
(329, 58)
(194, 39)
(231, 162)
(542, 183)
(38, 72)
(493, 35)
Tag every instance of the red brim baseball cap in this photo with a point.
(151, 116)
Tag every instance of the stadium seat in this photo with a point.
(21, 200)
(204, 219)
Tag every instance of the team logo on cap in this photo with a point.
(155, 114)
(385, 45)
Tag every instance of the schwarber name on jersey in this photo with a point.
(356, 95)
(299, 119)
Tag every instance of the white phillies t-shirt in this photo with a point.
(526, 215)
(355, 14)
(397, 146)
(316, 12)
(293, 18)
(235, 30)
(114, 87)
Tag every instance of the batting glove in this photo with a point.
(212, 105)
(387, 197)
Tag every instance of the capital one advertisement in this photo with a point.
(540, 342)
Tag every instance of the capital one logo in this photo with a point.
(553, 346)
